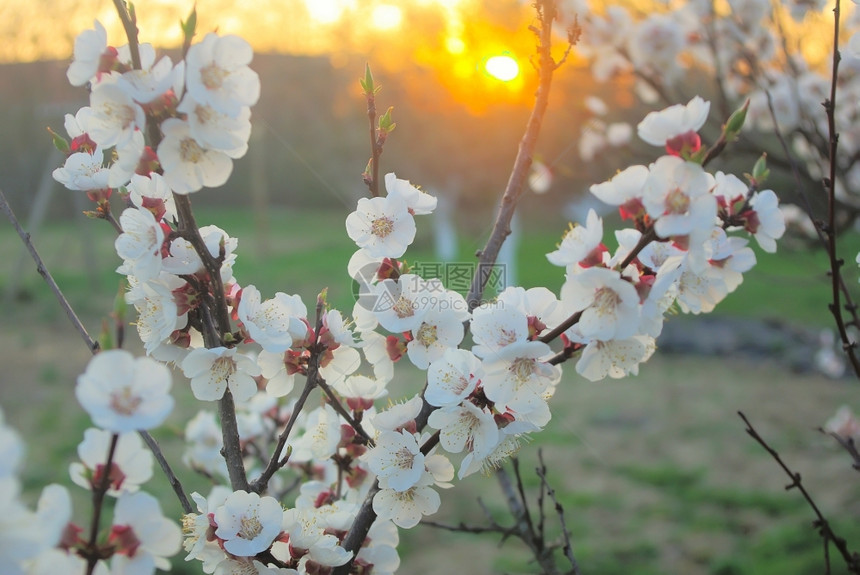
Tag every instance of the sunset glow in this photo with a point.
(504, 68)
(466, 46)
(327, 11)
(387, 17)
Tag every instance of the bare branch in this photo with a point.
(836, 263)
(165, 467)
(852, 560)
(567, 547)
(92, 344)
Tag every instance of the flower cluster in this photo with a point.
(201, 106)
(743, 46)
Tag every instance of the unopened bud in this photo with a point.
(189, 26)
(106, 337)
(59, 142)
(386, 123)
(367, 82)
(760, 172)
(120, 307)
(736, 120)
(366, 175)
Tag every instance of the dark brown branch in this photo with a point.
(836, 263)
(852, 560)
(168, 472)
(130, 32)
(99, 492)
(849, 306)
(359, 529)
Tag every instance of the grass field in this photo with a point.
(655, 473)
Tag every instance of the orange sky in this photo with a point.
(453, 38)
(45, 29)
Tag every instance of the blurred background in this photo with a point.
(655, 472)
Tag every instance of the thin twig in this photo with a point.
(525, 154)
(341, 410)
(852, 560)
(165, 467)
(568, 548)
(847, 444)
(849, 306)
(92, 344)
(372, 179)
(515, 498)
(463, 528)
(836, 263)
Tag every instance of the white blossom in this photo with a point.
(275, 322)
(89, 47)
(123, 393)
(659, 127)
(83, 171)
(213, 371)
(187, 165)
(417, 201)
(218, 74)
(115, 115)
(397, 458)
(381, 226)
(405, 508)
(248, 523)
(609, 304)
(131, 464)
(142, 536)
(578, 242)
(452, 378)
(139, 244)
(615, 358)
(770, 222)
(216, 130)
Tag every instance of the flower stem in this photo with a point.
(99, 492)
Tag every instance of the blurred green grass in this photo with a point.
(664, 505)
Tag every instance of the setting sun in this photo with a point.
(326, 11)
(387, 17)
(504, 68)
